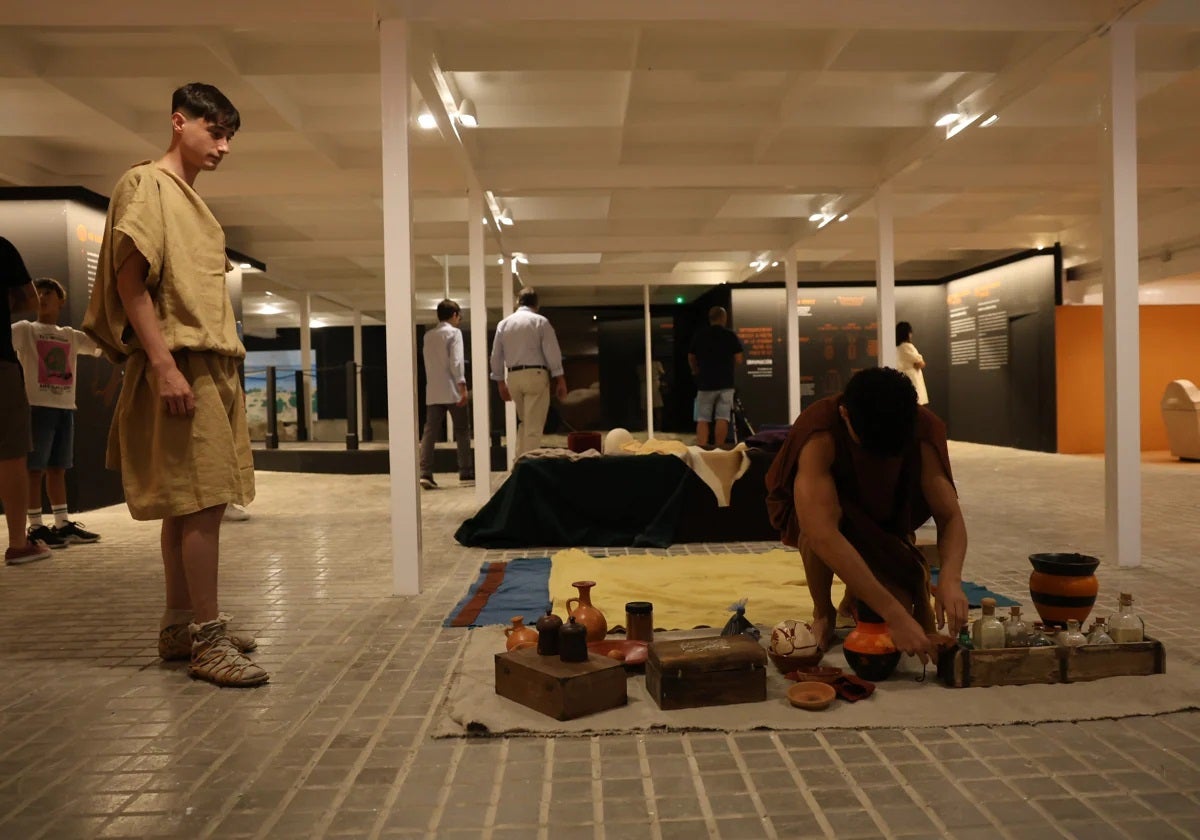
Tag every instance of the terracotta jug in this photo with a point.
(585, 613)
(520, 636)
(1063, 587)
(869, 648)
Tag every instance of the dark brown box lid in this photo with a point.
(708, 653)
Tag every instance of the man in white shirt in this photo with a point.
(445, 392)
(527, 348)
(47, 353)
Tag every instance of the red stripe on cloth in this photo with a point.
(491, 582)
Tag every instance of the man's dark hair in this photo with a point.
(882, 404)
(11, 264)
(527, 297)
(49, 284)
(447, 309)
(903, 332)
(717, 315)
(200, 100)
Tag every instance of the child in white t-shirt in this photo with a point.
(48, 353)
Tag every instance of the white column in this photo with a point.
(1122, 357)
(306, 362)
(792, 335)
(358, 360)
(507, 299)
(395, 89)
(479, 347)
(885, 278)
(649, 363)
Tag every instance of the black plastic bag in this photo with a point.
(738, 623)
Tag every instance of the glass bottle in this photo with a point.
(1125, 625)
(1038, 637)
(1072, 636)
(987, 631)
(1016, 631)
(1099, 633)
(964, 639)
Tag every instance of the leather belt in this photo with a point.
(529, 367)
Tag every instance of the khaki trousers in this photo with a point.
(530, 389)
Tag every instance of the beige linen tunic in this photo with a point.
(172, 466)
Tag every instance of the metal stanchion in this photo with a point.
(368, 434)
(272, 420)
(301, 414)
(351, 406)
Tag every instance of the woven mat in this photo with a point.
(472, 706)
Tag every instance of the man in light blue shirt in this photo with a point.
(527, 347)
(445, 391)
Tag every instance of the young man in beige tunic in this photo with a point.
(179, 434)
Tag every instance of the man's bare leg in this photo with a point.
(14, 492)
(200, 547)
(178, 598)
(722, 429)
(702, 432)
(56, 487)
(819, 578)
(35, 489)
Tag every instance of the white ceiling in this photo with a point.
(633, 141)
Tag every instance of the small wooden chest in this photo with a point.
(1023, 666)
(709, 671)
(562, 690)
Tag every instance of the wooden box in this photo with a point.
(1023, 666)
(709, 671)
(562, 690)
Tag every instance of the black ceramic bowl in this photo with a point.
(1069, 565)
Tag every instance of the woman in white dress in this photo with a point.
(909, 361)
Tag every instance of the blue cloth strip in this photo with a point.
(525, 591)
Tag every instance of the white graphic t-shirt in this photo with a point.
(47, 353)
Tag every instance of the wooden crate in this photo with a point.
(562, 690)
(708, 671)
(1025, 666)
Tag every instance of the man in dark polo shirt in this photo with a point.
(714, 352)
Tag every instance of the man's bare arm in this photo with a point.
(818, 513)
(173, 387)
(951, 603)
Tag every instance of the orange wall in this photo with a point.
(1170, 339)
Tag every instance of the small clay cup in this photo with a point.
(811, 696)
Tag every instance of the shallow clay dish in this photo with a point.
(819, 673)
(632, 653)
(811, 696)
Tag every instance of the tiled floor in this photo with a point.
(98, 738)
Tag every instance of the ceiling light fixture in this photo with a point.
(426, 120)
(816, 217)
(316, 323)
(245, 265)
(269, 309)
(843, 217)
(775, 264)
(500, 261)
(825, 221)
(505, 219)
(989, 121)
(466, 114)
(268, 294)
(521, 258)
(946, 119)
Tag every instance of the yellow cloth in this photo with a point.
(656, 446)
(689, 590)
(155, 212)
(173, 466)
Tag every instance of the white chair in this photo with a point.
(1181, 415)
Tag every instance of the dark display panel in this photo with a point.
(1000, 324)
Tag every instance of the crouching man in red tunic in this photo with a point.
(857, 475)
